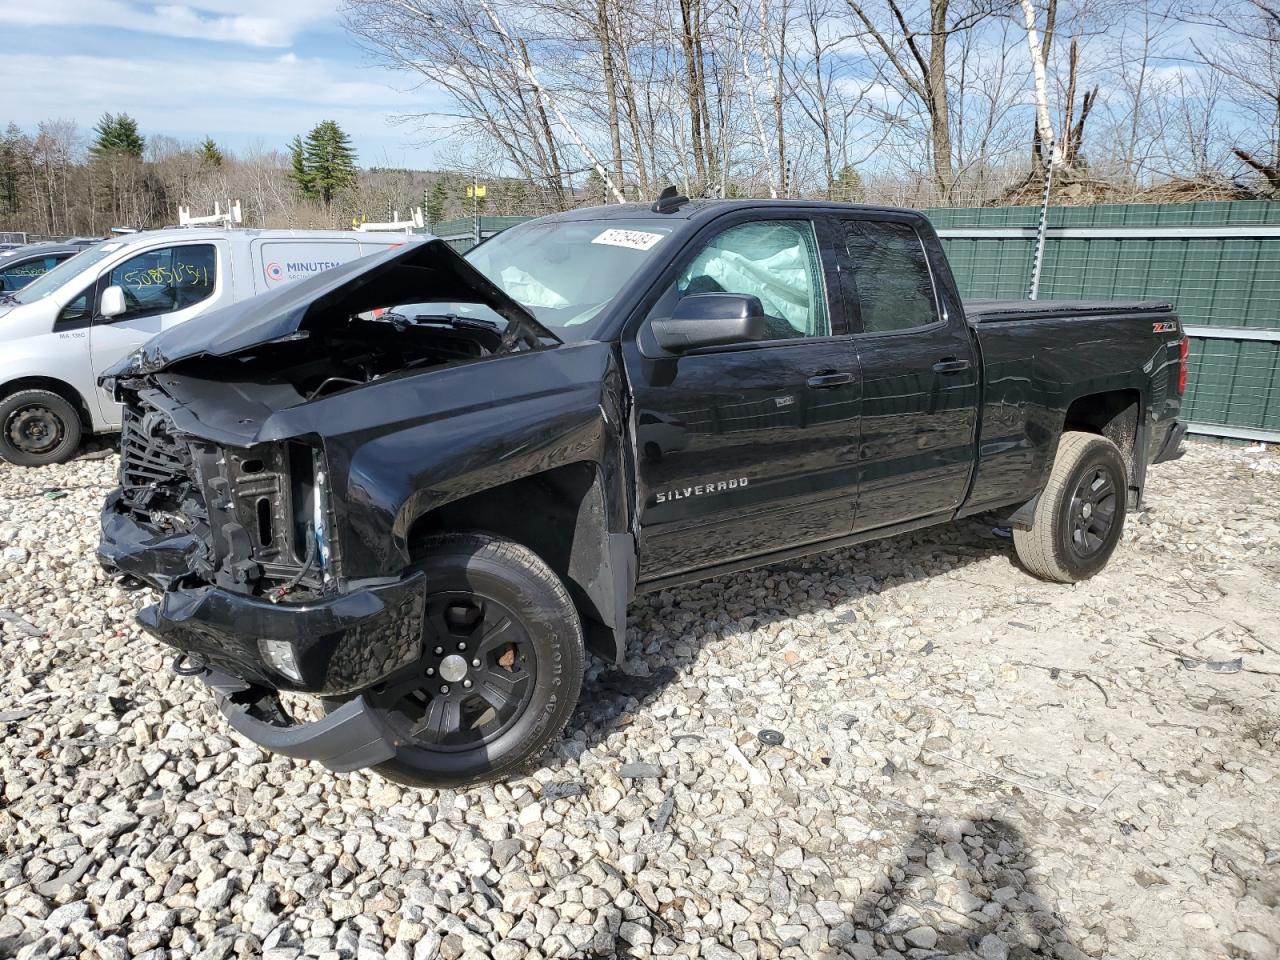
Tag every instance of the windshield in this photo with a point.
(43, 286)
(565, 272)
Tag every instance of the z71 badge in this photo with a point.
(1165, 326)
(701, 490)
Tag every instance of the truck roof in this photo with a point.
(701, 209)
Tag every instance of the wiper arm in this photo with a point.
(397, 320)
(455, 321)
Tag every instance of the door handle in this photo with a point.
(825, 381)
(951, 365)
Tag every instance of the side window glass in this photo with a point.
(19, 275)
(78, 310)
(165, 280)
(775, 260)
(891, 272)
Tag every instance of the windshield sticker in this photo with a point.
(631, 239)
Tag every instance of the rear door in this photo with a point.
(750, 448)
(919, 375)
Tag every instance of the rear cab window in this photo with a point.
(888, 270)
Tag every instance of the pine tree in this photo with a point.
(595, 190)
(435, 205)
(11, 162)
(298, 167)
(117, 135)
(210, 155)
(847, 185)
(329, 160)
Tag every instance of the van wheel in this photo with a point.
(38, 427)
(1080, 514)
(501, 668)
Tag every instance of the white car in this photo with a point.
(60, 332)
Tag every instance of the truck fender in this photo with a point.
(601, 576)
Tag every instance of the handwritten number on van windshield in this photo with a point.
(180, 274)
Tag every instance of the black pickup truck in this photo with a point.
(420, 486)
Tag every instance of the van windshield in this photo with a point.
(41, 287)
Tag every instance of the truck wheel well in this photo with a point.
(561, 516)
(61, 388)
(1114, 415)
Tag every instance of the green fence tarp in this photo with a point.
(1212, 282)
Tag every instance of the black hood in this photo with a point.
(417, 272)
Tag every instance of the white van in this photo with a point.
(58, 333)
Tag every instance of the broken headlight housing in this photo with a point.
(320, 521)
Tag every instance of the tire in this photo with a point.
(38, 427)
(475, 581)
(1071, 537)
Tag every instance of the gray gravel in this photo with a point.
(974, 764)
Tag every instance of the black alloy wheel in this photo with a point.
(1079, 515)
(1093, 511)
(500, 669)
(474, 680)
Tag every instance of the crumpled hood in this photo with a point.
(417, 272)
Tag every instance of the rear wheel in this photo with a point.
(500, 671)
(1080, 514)
(38, 427)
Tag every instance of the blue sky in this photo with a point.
(241, 71)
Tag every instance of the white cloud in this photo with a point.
(247, 22)
(269, 98)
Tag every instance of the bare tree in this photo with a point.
(1247, 51)
(915, 44)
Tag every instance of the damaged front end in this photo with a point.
(226, 506)
(238, 540)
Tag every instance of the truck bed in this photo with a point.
(1001, 311)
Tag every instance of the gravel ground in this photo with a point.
(975, 764)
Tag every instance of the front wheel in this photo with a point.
(501, 667)
(38, 427)
(1080, 514)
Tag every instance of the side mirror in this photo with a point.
(711, 320)
(112, 303)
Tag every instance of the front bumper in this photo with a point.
(150, 555)
(342, 645)
(351, 738)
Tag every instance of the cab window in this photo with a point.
(165, 280)
(891, 274)
(774, 260)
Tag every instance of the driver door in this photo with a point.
(747, 448)
(162, 287)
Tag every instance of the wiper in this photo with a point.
(455, 321)
(397, 320)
